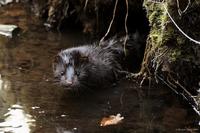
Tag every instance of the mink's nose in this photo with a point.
(69, 82)
(69, 77)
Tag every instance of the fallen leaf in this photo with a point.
(111, 120)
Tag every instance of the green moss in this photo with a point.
(167, 46)
(175, 54)
(157, 19)
(161, 32)
(180, 40)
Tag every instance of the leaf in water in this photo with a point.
(111, 120)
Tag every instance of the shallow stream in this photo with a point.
(31, 102)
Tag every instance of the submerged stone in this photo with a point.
(8, 30)
(5, 2)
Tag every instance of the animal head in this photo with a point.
(69, 67)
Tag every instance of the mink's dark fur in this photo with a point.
(94, 66)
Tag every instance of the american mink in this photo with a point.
(94, 66)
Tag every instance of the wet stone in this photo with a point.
(8, 30)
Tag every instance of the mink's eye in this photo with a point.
(77, 73)
(62, 73)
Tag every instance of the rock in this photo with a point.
(5, 2)
(9, 30)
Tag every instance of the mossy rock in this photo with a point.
(170, 49)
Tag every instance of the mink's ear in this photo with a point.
(80, 56)
(57, 59)
(84, 58)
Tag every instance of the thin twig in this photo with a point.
(157, 1)
(187, 36)
(180, 12)
(177, 82)
(121, 99)
(160, 55)
(187, 95)
(85, 6)
(173, 85)
(111, 22)
(190, 38)
(167, 84)
(125, 26)
(184, 89)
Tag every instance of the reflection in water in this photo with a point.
(1, 83)
(4, 85)
(62, 130)
(17, 121)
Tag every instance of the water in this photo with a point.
(31, 102)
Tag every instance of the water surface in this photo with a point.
(31, 102)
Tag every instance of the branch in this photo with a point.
(111, 22)
(125, 26)
(85, 6)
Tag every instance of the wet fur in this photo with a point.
(93, 66)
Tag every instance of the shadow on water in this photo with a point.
(30, 102)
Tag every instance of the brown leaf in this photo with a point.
(111, 120)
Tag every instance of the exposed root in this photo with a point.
(111, 22)
(166, 83)
(121, 99)
(179, 89)
(144, 70)
(85, 6)
(125, 26)
(180, 12)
